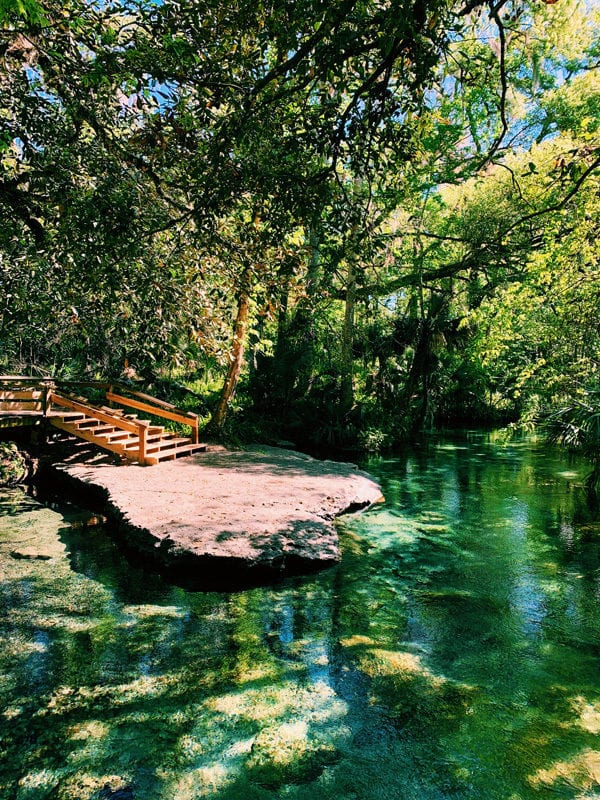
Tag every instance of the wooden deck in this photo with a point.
(28, 401)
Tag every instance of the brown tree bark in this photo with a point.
(236, 360)
(347, 357)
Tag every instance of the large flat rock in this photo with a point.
(258, 509)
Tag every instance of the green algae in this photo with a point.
(452, 655)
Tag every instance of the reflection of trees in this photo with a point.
(161, 690)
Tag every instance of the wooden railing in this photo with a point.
(29, 396)
(124, 396)
(23, 396)
(138, 427)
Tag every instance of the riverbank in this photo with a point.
(226, 515)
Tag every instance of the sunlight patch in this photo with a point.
(142, 611)
(44, 780)
(583, 771)
(93, 729)
(588, 713)
(202, 782)
(377, 661)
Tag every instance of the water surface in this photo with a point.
(452, 655)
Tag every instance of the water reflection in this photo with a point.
(453, 654)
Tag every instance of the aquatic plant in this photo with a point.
(576, 425)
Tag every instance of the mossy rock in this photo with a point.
(14, 464)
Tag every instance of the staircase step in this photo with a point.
(128, 447)
(102, 430)
(86, 422)
(63, 413)
(152, 442)
(88, 435)
(172, 453)
(167, 444)
(117, 436)
(161, 444)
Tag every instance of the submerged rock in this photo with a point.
(291, 753)
(121, 793)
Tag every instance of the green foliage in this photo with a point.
(29, 10)
(406, 195)
(13, 465)
(576, 425)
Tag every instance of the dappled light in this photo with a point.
(366, 230)
(451, 654)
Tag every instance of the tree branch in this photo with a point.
(557, 206)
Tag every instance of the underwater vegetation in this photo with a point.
(453, 654)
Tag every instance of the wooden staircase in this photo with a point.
(108, 427)
(112, 429)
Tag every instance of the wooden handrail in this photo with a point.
(138, 400)
(108, 385)
(92, 411)
(147, 397)
(185, 418)
(122, 388)
(138, 427)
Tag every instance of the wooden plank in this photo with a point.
(117, 411)
(71, 415)
(21, 394)
(168, 444)
(121, 446)
(143, 442)
(171, 454)
(116, 436)
(150, 399)
(156, 439)
(11, 412)
(21, 405)
(104, 428)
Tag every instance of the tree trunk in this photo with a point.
(236, 360)
(347, 359)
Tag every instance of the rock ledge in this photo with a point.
(233, 514)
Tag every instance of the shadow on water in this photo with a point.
(453, 654)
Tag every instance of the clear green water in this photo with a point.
(453, 655)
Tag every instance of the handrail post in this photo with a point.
(46, 400)
(195, 431)
(143, 426)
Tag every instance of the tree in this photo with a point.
(143, 142)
